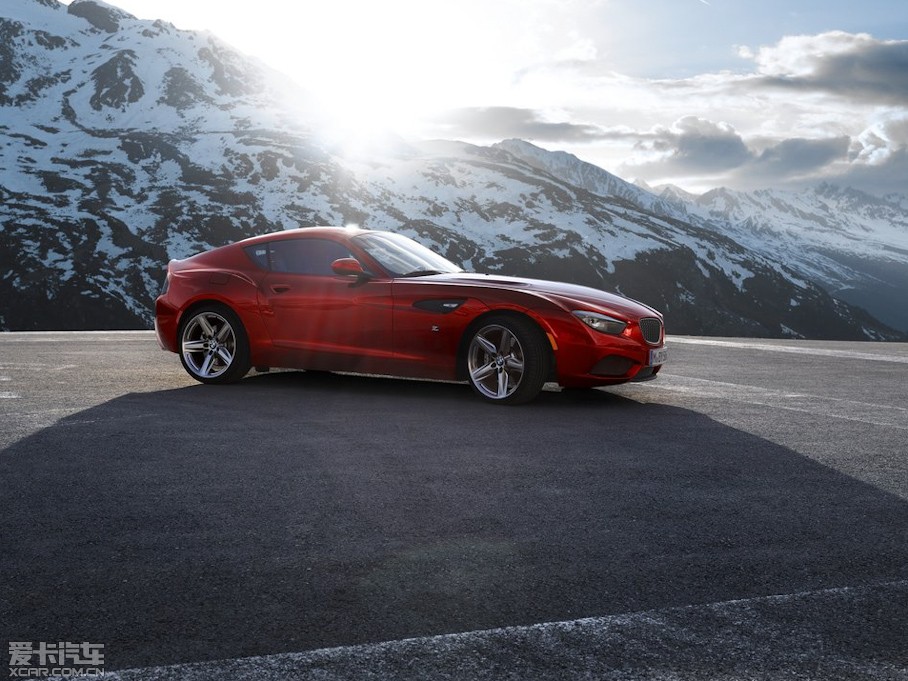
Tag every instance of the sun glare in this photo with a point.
(383, 66)
(379, 68)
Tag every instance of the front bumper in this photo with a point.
(587, 358)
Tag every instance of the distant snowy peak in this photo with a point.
(667, 190)
(569, 168)
(834, 218)
(593, 179)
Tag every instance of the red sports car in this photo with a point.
(342, 299)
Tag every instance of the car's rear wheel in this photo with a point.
(507, 360)
(213, 345)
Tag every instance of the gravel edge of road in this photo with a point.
(806, 636)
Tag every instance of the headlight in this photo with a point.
(600, 322)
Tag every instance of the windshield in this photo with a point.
(403, 257)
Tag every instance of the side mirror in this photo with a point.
(348, 267)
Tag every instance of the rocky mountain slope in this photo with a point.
(124, 143)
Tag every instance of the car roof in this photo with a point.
(317, 231)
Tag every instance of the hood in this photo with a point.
(569, 296)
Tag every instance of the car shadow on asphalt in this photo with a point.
(364, 385)
(295, 511)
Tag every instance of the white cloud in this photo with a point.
(804, 55)
(837, 64)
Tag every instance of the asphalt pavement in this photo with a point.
(745, 515)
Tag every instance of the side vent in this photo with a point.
(439, 305)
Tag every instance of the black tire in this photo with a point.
(507, 359)
(214, 347)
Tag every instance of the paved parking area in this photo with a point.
(752, 499)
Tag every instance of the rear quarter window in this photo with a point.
(258, 255)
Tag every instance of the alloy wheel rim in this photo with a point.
(208, 345)
(495, 362)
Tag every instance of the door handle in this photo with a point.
(280, 288)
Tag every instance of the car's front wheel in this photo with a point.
(507, 360)
(213, 345)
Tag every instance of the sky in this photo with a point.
(698, 93)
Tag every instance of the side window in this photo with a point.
(259, 255)
(306, 256)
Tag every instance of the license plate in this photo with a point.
(658, 356)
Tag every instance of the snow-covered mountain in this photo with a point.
(852, 243)
(126, 143)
